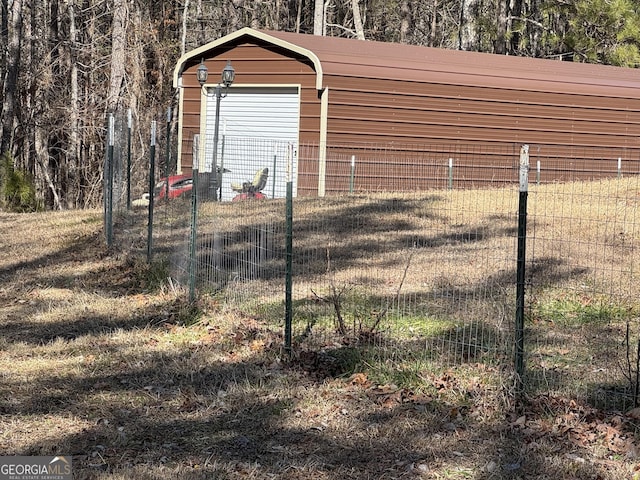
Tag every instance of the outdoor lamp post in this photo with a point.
(228, 76)
(202, 73)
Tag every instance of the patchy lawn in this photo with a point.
(100, 361)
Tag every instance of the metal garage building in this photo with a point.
(329, 97)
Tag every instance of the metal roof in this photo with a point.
(392, 61)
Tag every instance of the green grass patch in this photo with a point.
(418, 325)
(575, 311)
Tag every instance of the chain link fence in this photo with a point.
(419, 273)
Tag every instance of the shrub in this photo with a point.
(17, 191)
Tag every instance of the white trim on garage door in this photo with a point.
(258, 127)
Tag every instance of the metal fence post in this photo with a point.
(521, 262)
(288, 316)
(450, 174)
(194, 220)
(129, 126)
(152, 175)
(352, 175)
(167, 153)
(109, 184)
(220, 171)
(273, 173)
(619, 167)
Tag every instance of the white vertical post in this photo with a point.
(111, 129)
(619, 167)
(289, 166)
(524, 168)
(273, 173)
(352, 175)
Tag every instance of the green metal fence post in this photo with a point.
(288, 319)
(521, 263)
(109, 184)
(167, 153)
(194, 220)
(220, 172)
(129, 126)
(152, 176)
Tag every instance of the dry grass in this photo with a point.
(100, 361)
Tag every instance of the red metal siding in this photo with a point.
(439, 112)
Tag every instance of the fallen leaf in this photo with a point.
(385, 389)
(390, 401)
(360, 379)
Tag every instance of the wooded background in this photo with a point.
(66, 64)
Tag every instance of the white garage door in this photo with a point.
(258, 129)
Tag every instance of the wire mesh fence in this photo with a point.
(408, 263)
(582, 300)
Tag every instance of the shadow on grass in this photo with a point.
(186, 410)
(229, 420)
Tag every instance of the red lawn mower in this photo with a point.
(251, 190)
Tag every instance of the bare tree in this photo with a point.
(467, 28)
(405, 21)
(10, 83)
(318, 18)
(73, 150)
(118, 54)
(4, 40)
(503, 24)
(357, 20)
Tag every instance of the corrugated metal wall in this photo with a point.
(386, 111)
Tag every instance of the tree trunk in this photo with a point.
(118, 55)
(433, 30)
(357, 20)
(41, 154)
(276, 21)
(4, 40)
(515, 12)
(201, 23)
(318, 18)
(405, 21)
(467, 28)
(183, 36)
(73, 151)
(10, 90)
(299, 16)
(502, 27)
